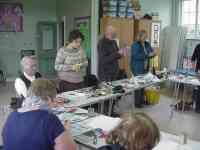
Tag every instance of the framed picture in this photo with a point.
(11, 17)
(155, 34)
(156, 28)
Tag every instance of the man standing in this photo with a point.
(196, 92)
(108, 55)
(28, 75)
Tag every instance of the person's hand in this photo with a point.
(124, 51)
(121, 52)
(67, 125)
(152, 54)
(77, 67)
(57, 102)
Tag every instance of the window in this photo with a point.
(191, 17)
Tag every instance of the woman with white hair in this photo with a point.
(28, 74)
(34, 127)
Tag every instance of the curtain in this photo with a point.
(172, 47)
(176, 12)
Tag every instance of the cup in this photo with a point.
(183, 138)
(91, 112)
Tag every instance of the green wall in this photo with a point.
(72, 9)
(163, 7)
(11, 43)
(50, 10)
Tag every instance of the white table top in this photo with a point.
(85, 97)
(190, 80)
(168, 141)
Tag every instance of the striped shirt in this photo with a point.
(65, 60)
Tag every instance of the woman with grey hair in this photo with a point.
(34, 127)
(28, 74)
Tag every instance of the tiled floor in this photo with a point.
(187, 122)
(179, 122)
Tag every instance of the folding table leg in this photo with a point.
(110, 107)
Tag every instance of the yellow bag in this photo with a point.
(152, 95)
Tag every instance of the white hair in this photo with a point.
(25, 59)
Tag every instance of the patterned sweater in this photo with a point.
(65, 60)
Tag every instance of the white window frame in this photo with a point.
(196, 35)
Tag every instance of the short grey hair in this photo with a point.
(25, 59)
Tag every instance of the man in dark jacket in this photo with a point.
(196, 93)
(108, 55)
(196, 57)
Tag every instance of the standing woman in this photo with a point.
(141, 51)
(71, 63)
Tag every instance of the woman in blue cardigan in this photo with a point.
(141, 51)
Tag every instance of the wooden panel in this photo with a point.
(143, 24)
(124, 29)
(126, 39)
(125, 34)
(105, 21)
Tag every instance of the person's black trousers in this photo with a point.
(196, 98)
(139, 98)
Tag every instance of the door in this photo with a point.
(46, 52)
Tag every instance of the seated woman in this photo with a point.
(135, 132)
(34, 127)
(71, 63)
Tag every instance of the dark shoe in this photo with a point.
(197, 111)
(138, 106)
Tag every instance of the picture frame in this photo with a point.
(155, 34)
(11, 17)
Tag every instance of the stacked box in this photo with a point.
(110, 7)
(122, 7)
(118, 8)
(130, 11)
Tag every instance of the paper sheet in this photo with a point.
(166, 145)
(105, 123)
(171, 145)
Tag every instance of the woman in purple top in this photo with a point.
(34, 127)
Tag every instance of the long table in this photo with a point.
(185, 80)
(83, 128)
(85, 97)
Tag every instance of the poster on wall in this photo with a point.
(83, 24)
(155, 36)
(11, 17)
